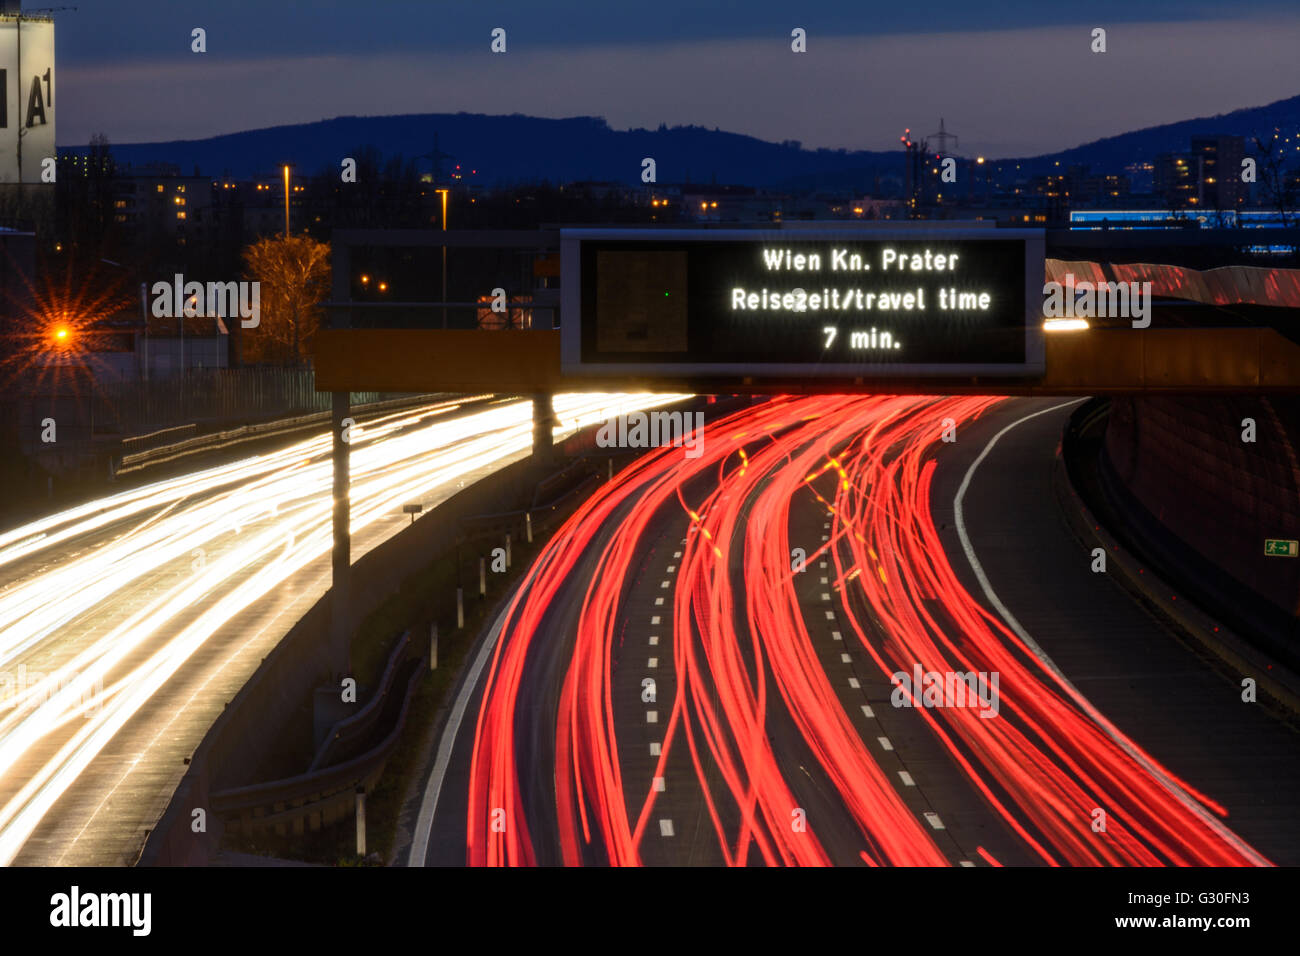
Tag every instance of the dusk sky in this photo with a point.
(1009, 79)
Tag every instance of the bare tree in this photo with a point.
(294, 274)
(1271, 159)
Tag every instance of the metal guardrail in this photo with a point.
(205, 443)
(345, 734)
(498, 521)
(155, 439)
(322, 796)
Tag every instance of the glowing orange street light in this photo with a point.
(286, 200)
(444, 192)
(61, 333)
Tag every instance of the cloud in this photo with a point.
(1003, 92)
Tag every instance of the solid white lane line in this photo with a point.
(433, 790)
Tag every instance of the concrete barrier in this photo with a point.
(1202, 501)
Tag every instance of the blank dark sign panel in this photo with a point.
(643, 296)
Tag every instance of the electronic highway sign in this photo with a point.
(782, 303)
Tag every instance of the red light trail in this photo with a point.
(741, 648)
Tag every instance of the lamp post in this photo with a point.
(297, 360)
(444, 256)
(286, 200)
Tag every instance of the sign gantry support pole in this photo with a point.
(340, 634)
(543, 426)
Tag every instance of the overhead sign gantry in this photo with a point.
(897, 307)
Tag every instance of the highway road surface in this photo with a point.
(126, 624)
(835, 637)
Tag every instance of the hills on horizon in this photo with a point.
(516, 149)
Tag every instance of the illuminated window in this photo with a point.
(180, 189)
(181, 214)
(160, 187)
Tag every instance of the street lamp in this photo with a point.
(444, 256)
(286, 200)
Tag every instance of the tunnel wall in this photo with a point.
(1202, 501)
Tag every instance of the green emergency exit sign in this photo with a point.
(1281, 548)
